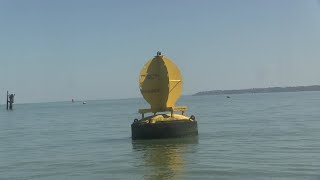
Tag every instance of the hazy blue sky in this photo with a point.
(57, 50)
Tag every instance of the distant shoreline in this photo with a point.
(260, 90)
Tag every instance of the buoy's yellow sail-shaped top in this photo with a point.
(160, 83)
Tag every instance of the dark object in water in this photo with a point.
(10, 100)
(228, 97)
(164, 129)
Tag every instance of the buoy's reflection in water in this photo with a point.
(163, 158)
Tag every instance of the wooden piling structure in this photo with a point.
(10, 100)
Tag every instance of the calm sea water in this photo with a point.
(250, 136)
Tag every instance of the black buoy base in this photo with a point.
(164, 129)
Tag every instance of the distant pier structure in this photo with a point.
(10, 100)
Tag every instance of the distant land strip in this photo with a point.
(260, 90)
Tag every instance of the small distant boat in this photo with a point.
(228, 97)
(84, 102)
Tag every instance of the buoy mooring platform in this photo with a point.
(160, 84)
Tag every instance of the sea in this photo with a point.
(246, 136)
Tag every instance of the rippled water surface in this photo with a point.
(249, 136)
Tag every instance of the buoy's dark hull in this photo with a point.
(165, 129)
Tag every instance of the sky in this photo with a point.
(91, 49)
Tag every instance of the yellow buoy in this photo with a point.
(160, 83)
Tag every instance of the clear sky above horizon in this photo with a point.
(59, 50)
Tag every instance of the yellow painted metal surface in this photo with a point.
(164, 117)
(160, 84)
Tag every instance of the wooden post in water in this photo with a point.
(10, 100)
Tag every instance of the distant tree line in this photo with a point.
(261, 90)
